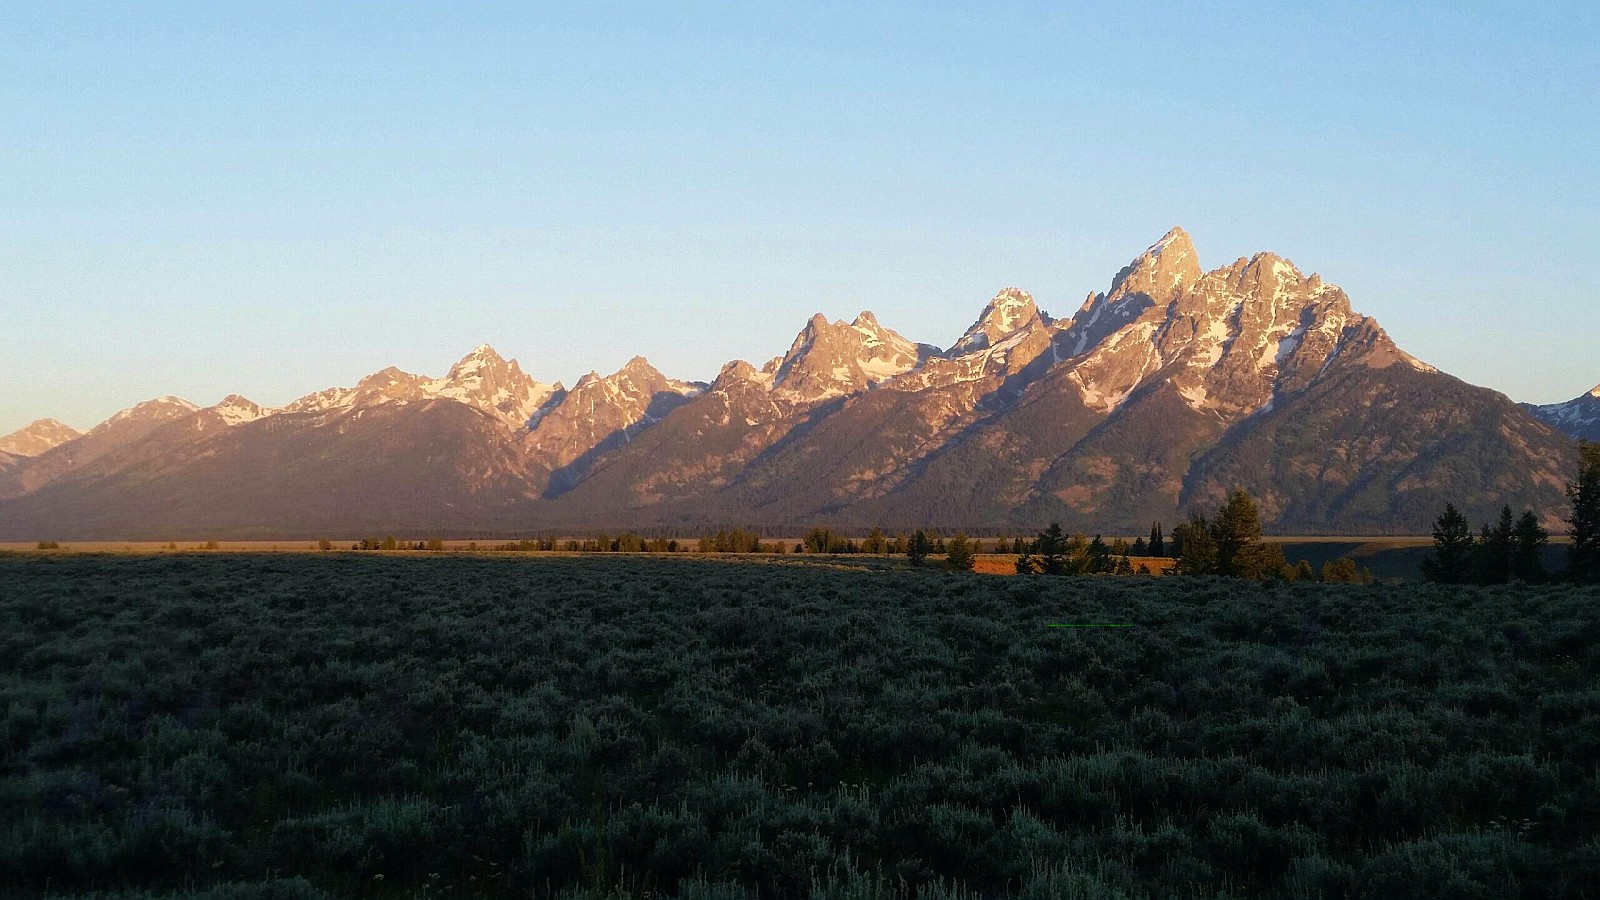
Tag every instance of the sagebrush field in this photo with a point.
(360, 726)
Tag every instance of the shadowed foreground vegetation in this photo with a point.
(356, 726)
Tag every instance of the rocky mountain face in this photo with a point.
(1162, 393)
(1579, 417)
(599, 414)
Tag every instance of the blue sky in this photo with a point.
(275, 198)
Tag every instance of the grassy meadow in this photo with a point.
(364, 725)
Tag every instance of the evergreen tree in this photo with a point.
(1236, 531)
(1199, 548)
(1527, 555)
(1052, 550)
(1492, 556)
(959, 554)
(1139, 548)
(1158, 544)
(918, 547)
(1098, 556)
(1451, 560)
(875, 542)
(1175, 543)
(1583, 556)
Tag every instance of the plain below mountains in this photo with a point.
(1159, 395)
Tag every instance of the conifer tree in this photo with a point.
(1158, 544)
(1492, 555)
(1098, 556)
(918, 547)
(1139, 548)
(1451, 560)
(1052, 550)
(1236, 531)
(1527, 558)
(959, 554)
(1583, 556)
(875, 542)
(1199, 548)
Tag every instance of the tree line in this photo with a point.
(1513, 548)
(1226, 543)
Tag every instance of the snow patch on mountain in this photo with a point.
(37, 437)
(1012, 310)
(236, 410)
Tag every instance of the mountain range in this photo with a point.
(1159, 395)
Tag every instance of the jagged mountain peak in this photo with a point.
(481, 357)
(494, 384)
(1167, 267)
(1010, 311)
(832, 359)
(36, 437)
(637, 370)
(599, 412)
(1596, 392)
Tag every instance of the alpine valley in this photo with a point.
(1159, 395)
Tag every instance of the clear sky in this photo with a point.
(273, 198)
